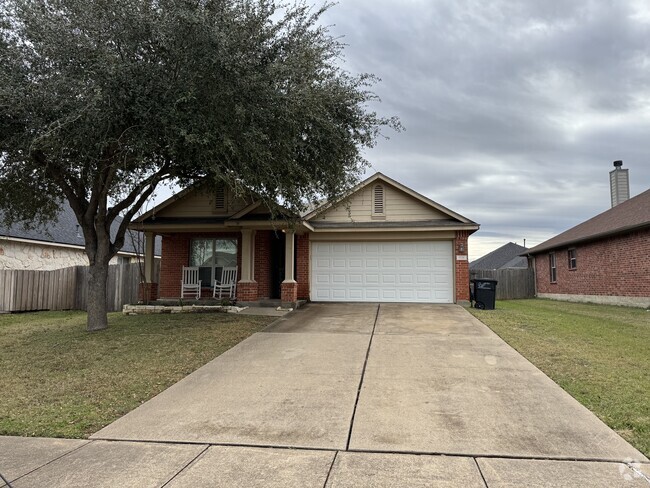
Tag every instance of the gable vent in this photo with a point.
(220, 198)
(378, 196)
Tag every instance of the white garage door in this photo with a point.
(407, 271)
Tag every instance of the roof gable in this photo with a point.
(627, 216)
(401, 204)
(199, 201)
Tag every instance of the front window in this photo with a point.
(552, 267)
(573, 259)
(211, 256)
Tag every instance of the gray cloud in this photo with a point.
(513, 111)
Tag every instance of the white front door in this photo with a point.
(401, 271)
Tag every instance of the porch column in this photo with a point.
(148, 288)
(289, 287)
(149, 242)
(247, 286)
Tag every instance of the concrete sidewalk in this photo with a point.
(345, 395)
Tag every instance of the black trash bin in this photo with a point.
(485, 292)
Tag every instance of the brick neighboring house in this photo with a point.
(603, 260)
(382, 242)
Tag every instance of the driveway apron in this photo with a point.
(294, 385)
(439, 381)
(388, 379)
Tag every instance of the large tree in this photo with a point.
(101, 101)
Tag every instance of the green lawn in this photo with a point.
(599, 354)
(59, 381)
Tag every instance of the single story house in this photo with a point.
(59, 244)
(508, 256)
(605, 259)
(382, 242)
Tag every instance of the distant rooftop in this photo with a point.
(65, 230)
(507, 256)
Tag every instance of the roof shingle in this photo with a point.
(630, 215)
(66, 231)
(507, 256)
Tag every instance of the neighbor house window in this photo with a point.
(573, 259)
(552, 267)
(378, 204)
(211, 256)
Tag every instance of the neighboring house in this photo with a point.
(57, 245)
(507, 256)
(603, 260)
(382, 243)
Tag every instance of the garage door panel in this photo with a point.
(389, 278)
(372, 278)
(406, 271)
(355, 263)
(372, 263)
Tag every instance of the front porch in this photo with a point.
(272, 264)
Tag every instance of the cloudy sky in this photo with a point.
(514, 110)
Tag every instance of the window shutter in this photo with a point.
(220, 198)
(378, 207)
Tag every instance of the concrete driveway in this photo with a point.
(366, 395)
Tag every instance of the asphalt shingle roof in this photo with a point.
(630, 215)
(66, 231)
(507, 256)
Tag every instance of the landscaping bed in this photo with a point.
(60, 381)
(599, 354)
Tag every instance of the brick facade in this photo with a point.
(176, 250)
(615, 266)
(461, 266)
(176, 254)
(263, 263)
(302, 266)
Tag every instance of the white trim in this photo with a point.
(355, 230)
(246, 210)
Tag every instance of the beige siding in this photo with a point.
(398, 207)
(200, 203)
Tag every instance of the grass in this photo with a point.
(599, 354)
(59, 381)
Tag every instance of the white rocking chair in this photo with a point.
(191, 284)
(227, 286)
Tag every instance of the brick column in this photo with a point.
(148, 292)
(289, 287)
(302, 271)
(462, 267)
(289, 293)
(247, 291)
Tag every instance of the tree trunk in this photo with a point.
(97, 310)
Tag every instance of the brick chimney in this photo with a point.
(619, 183)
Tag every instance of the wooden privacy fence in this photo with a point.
(512, 283)
(66, 288)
